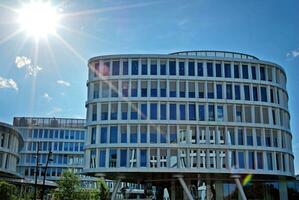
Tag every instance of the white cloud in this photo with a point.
(47, 96)
(294, 53)
(54, 111)
(62, 82)
(22, 61)
(8, 83)
(32, 70)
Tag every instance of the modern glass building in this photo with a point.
(202, 122)
(63, 137)
(10, 143)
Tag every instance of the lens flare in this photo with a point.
(247, 179)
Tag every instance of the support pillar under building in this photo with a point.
(115, 188)
(239, 186)
(184, 186)
(172, 192)
(219, 190)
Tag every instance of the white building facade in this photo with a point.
(10, 143)
(195, 118)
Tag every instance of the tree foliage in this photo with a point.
(103, 189)
(69, 188)
(7, 191)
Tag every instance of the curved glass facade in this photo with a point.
(187, 113)
(10, 143)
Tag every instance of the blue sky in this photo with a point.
(267, 29)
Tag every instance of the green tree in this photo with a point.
(103, 189)
(7, 191)
(68, 187)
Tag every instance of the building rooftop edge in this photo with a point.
(18, 117)
(182, 54)
(15, 131)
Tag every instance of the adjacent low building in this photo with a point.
(63, 137)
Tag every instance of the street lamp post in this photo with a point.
(36, 171)
(49, 159)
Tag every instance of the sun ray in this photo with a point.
(80, 33)
(100, 10)
(53, 59)
(10, 36)
(8, 8)
(36, 51)
(21, 45)
(69, 47)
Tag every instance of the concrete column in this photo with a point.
(196, 86)
(239, 186)
(129, 87)
(158, 68)
(167, 88)
(91, 91)
(184, 186)
(148, 83)
(219, 190)
(107, 157)
(205, 69)
(130, 66)
(177, 86)
(209, 191)
(252, 110)
(158, 158)
(177, 67)
(115, 188)
(222, 69)
(206, 89)
(254, 137)
(187, 89)
(258, 75)
(98, 111)
(255, 160)
(283, 192)
(214, 69)
(139, 87)
(234, 113)
(148, 155)
(172, 192)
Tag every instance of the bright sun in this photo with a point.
(38, 19)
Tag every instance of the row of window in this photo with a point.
(56, 146)
(190, 158)
(183, 89)
(190, 135)
(51, 171)
(57, 159)
(190, 112)
(187, 68)
(56, 134)
(8, 161)
(9, 141)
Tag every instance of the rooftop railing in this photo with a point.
(217, 54)
(48, 122)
